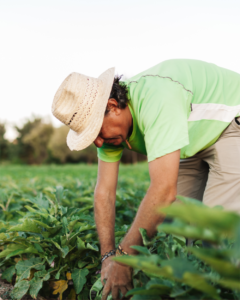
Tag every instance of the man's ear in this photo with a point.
(112, 105)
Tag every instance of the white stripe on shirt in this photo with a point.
(213, 111)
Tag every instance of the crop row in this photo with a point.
(49, 245)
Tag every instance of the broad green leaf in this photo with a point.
(179, 291)
(87, 207)
(8, 273)
(44, 275)
(3, 236)
(189, 231)
(141, 250)
(72, 224)
(88, 200)
(15, 253)
(65, 251)
(89, 236)
(222, 266)
(187, 200)
(87, 227)
(29, 225)
(20, 289)
(40, 201)
(3, 225)
(35, 287)
(56, 245)
(84, 295)
(164, 285)
(38, 247)
(92, 247)
(65, 224)
(230, 284)
(82, 264)
(29, 208)
(94, 265)
(80, 244)
(97, 287)
(179, 266)
(24, 267)
(30, 249)
(63, 209)
(219, 220)
(199, 282)
(59, 193)
(11, 248)
(79, 279)
(146, 264)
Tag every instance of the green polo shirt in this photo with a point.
(178, 104)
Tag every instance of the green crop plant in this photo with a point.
(49, 244)
(173, 270)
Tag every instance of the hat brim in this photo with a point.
(81, 140)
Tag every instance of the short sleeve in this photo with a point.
(110, 153)
(164, 116)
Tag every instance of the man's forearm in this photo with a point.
(147, 217)
(104, 213)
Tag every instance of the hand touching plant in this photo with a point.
(116, 278)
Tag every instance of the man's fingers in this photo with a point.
(115, 293)
(123, 290)
(106, 291)
(103, 281)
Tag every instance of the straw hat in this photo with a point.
(80, 103)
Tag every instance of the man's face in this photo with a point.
(116, 125)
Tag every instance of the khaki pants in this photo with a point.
(213, 175)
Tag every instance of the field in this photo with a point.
(49, 247)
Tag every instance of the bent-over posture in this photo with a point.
(184, 115)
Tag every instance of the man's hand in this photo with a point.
(115, 277)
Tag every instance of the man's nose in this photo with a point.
(98, 142)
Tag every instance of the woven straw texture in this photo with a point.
(80, 103)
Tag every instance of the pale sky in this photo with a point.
(42, 41)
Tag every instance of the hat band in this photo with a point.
(69, 123)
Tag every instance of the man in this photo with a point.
(178, 109)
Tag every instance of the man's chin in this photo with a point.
(116, 143)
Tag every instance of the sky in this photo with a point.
(42, 42)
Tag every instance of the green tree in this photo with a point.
(3, 143)
(61, 153)
(37, 139)
(20, 150)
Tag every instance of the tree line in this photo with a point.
(40, 142)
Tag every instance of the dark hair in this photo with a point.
(119, 92)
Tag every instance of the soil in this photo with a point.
(5, 289)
